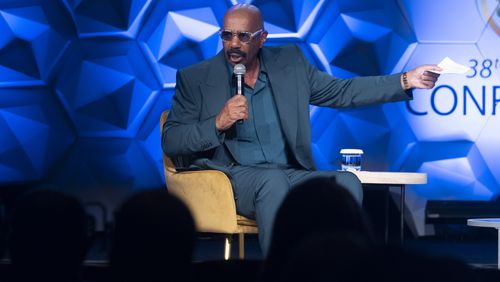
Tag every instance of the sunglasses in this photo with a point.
(243, 36)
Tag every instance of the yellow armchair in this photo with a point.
(209, 196)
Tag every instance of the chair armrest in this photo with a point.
(209, 196)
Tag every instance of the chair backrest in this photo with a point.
(207, 193)
(169, 167)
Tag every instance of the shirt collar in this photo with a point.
(263, 68)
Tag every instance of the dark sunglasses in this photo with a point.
(243, 36)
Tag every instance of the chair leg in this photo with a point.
(227, 246)
(241, 245)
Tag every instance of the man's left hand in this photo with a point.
(424, 76)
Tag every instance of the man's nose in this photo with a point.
(235, 42)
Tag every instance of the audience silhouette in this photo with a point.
(153, 239)
(314, 207)
(48, 239)
(320, 234)
(393, 263)
(328, 256)
(343, 257)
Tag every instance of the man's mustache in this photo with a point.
(237, 52)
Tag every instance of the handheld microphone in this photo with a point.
(239, 71)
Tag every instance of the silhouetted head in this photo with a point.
(48, 236)
(243, 34)
(326, 257)
(153, 238)
(317, 206)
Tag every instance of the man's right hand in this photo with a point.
(235, 109)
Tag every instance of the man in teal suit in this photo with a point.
(269, 152)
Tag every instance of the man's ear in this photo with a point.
(263, 38)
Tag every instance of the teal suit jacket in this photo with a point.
(190, 136)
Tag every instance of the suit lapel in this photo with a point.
(283, 83)
(216, 88)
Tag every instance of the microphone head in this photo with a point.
(239, 69)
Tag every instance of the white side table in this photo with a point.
(393, 179)
(488, 222)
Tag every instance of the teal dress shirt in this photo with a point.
(260, 138)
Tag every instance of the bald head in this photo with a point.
(245, 11)
(244, 22)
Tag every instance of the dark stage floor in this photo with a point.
(477, 252)
(481, 254)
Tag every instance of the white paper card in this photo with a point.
(449, 66)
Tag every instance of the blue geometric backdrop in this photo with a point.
(83, 83)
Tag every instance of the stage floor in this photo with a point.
(480, 254)
(475, 252)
